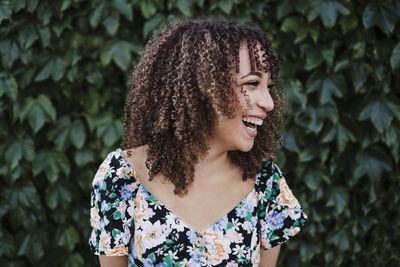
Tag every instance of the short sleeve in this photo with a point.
(282, 216)
(111, 214)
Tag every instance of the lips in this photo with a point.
(250, 124)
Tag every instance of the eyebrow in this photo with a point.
(251, 73)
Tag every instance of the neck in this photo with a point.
(215, 162)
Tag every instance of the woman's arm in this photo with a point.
(113, 261)
(269, 257)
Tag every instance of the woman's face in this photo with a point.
(254, 102)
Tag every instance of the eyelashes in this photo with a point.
(256, 83)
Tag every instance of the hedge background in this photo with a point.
(65, 70)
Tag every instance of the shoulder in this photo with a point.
(272, 187)
(113, 168)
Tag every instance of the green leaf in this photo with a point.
(371, 163)
(27, 36)
(148, 8)
(378, 113)
(52, 163)
(39, 111)
(78, 134)
(45, 36)
(13, 154)
(340, 240)
(185, 6)
(284, 8)
(57, 194)
(120, 52)
(83, 157)
(74, 260)
(5, 10)
(295, 94)
(360, 73)
(328, 11)
(67, 237)
(111, 23)
(60, 134)
(384, 17)
(290, 141)
(313, 57)
(9, 87)
(338, 198)
(343, 137)
(395, 58)
(329, 89)
(225, 6)
(7, 244)
(96, 15)
(12, 52)
(124, 8)
(152, 24)
(65, 5)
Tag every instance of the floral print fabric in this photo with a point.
(127, 220)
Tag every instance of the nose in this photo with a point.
(265, 101)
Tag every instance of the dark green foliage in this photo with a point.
(65, 70)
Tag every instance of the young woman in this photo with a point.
(195, 183)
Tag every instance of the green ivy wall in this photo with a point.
(65, 69)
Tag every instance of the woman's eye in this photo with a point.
(270, 86)
(255, 83)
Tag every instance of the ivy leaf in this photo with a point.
(290, 141)
(39, 111)
(13, 154)
(383, 16)
(83, 157)
(74, 260)
(120, 53)
(371, 163)
(11, 52)
(185, 6)
(9, 87)
(395, 58)
(5, 10)
(52, 163)
(7, 245)
(57, 193)
(123, 8)
(378, 113)
(338, 198)
(328, 11)
(54, 68)
(313, 57)
(148, 9)
(78, 134)
(96, 15)
(111, 23)
(225, 6)
(67, 237)
(343, 137)
(27, 36)
(152, 24)
(294, 93)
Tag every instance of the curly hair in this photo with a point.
(182, 81)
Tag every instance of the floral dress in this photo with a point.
(128, 220)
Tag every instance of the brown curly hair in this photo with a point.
(182, 81)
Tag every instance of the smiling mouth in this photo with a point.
(252, 123)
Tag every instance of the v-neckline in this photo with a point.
(173, 214)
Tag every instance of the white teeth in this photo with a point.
(255, 121)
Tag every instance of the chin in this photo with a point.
(247, 147)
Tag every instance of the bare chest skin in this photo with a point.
(209, 198)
